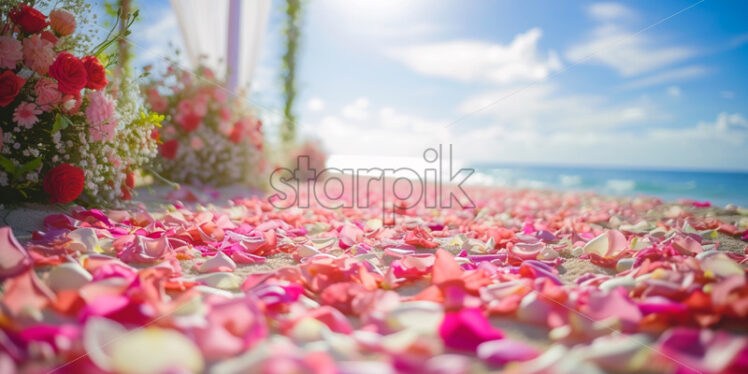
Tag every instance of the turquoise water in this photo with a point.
(720, 188)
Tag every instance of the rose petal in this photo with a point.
(155, 350)
(701, 350)
(14, 259)
(501, 352)
(467, 329)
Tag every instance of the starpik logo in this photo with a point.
(437, 185)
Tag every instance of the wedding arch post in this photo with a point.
(288, 75)
(232, 46)
(123, 45)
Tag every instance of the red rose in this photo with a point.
(95, 72)
(237, 133)
(70, 73)
(169, 149)
(10, 85)
(50, 37)
(64, 183)
(128, 186)
(190, 121)
(29, 19)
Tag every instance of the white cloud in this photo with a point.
(357, 110)
(624, 50)
(609, 11)
(674, 91)
(721, 144)
(388, 19)
(727, 94)
(738, 40)
(315, 104)
(541, 106)
(470, 60)
(391, 132)
(381, 131)
(668, 76)
(728, 122)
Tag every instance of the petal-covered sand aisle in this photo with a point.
(526, 282)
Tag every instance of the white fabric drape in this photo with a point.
(204, 25)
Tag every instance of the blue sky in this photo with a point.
(573, 82)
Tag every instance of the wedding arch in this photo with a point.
(224, 35)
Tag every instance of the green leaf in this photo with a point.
(7, 165)
(58, 124)
(61, 123)
(29, 166)
(104, 58)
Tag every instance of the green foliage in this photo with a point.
(61, 123)
(123, 23)
(292, 31)
(7, 165)
(29, 166)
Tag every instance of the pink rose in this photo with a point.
(196, 143)
(103, 132)
(225, 113)
(46, 92)
(38, 54)
(200, 105)
(186, 116)
(62, 22)
(255, 136)
(208, 73)
(240, 129)
(219, 95)
(186, 78)
(10, 52)
(225, 127)
(157, 102)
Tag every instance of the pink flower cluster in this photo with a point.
(101, 116)
(426, 291)
(59, 77)
(199, 101)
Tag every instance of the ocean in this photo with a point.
(720, 188)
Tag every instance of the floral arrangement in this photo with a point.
(208, 136)
(69, 130)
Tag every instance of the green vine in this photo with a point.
(292, 31)
(123, 18)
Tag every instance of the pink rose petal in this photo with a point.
(501, 352)
(13, 257)
(466, 329)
